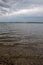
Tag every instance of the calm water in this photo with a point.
(26, 31)
(25, 28)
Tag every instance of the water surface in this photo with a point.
(22, 32)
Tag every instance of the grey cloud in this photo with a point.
(22, 3)
(15, 5)
(5, 1)
(4, 5)
(3, 11)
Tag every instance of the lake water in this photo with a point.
(25, 32)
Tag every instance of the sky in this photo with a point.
(21, 10)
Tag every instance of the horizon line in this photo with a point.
(21, 22)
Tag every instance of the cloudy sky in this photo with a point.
(21, 10)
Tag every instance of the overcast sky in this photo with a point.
(18, 10)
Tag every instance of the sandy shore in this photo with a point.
(21, 54)
(20, 50)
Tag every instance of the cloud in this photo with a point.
(17, 7)
(3, 4)
(5, 1)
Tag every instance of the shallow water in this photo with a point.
(22, 32)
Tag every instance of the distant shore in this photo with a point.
(23, 22)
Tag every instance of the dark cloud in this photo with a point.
(4, 5)
(5, 1)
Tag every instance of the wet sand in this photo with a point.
(13, 51)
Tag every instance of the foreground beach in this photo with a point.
(14, 52)
(21, 55)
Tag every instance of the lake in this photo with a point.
(21, 32)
